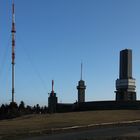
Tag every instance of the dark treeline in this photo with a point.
(13, 110)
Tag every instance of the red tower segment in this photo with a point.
(53, 87)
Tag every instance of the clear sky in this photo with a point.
(52, 38)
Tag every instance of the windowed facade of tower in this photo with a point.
(81, 91)
(52, 101)
(125, 85)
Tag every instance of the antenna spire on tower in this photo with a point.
(52, 86)
(81, 70)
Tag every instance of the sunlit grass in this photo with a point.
(33, 123)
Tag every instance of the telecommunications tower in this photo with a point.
(81, 88)
(13, 31)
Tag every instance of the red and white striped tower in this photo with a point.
(13, 31)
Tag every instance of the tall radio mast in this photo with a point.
(13, 31)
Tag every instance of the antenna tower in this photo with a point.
(13, 31)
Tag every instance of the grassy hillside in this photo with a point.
(33, 123)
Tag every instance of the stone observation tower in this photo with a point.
(81, 88)
(125, 85)
(52, 100)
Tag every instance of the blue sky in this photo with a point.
(52, 38)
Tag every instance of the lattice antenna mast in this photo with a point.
(13, 31)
